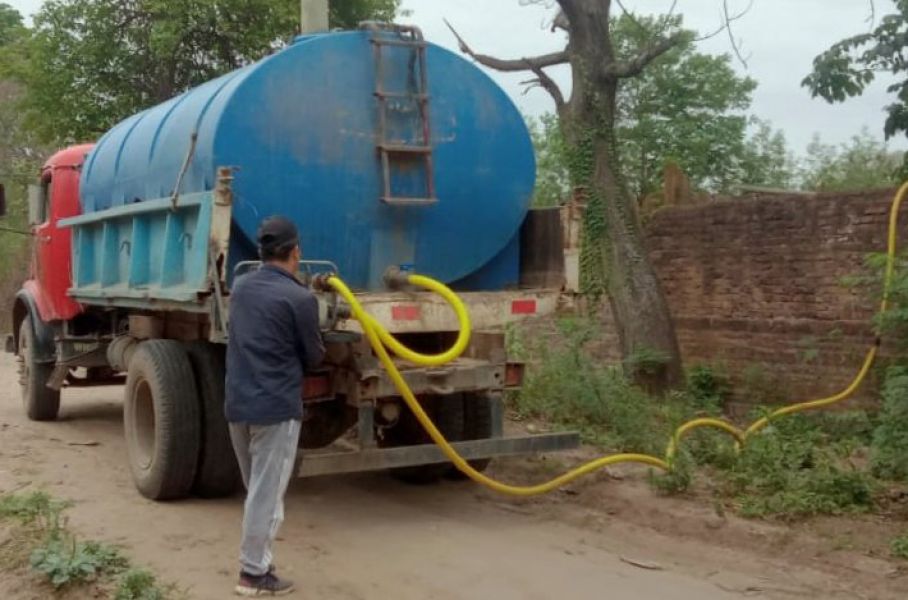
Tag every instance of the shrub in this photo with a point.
(889, 450)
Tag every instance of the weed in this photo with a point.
(567, 387)
(36, 509)
(708, 385)
(139, 584)
(759, 387)
(792, 469)
(899, 546)
(514, 342)
(63, 560)
(679, 478)
(889, 449)
(36, 534)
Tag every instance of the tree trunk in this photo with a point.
(615, 256)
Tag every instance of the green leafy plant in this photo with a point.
(793, 469)
(35, 508)
(760, 386)
(139, 584)
(899, 546)
(64, 560)
(35, 534)
(567, 386)
(889, 450)
(708, 385)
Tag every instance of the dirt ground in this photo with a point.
(369, 537)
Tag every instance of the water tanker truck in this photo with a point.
(392, 155)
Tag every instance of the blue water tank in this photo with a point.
(302, 128)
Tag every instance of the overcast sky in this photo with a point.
(779, 39)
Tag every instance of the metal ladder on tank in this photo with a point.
(394, 153)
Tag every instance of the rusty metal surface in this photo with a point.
(542, 249)
(332, 461)
(462, 375)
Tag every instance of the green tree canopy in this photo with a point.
(686, 106)
(348, 14)
(10, 24)
(553, 181)
(767, 160)
(90, 63)
(862, 163)
(849, 66)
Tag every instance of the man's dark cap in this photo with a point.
(276, 234)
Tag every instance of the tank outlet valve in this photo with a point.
(397, 278)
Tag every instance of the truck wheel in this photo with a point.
(447, 414)
(161, 419)
(477, 425)
(41, 402)
(217, 472)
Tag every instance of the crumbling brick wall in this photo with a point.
(757, 285)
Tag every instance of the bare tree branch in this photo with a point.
(519, 64)
(635, 66)
(726, 21)
(631, 16)
(731, 36)
(549, 85)
(534, 64)
(871, 19)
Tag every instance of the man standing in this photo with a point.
(274, 337)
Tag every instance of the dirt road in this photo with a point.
(369, 537)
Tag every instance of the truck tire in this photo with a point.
(477, 425)
(217, 473)
(162, 420)
(41, 403)
(447, 414)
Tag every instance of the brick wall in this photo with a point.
(756, 284)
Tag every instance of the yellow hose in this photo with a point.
(381, 341)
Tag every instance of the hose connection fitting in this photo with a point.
(397, 277)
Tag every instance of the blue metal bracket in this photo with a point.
(143, 254)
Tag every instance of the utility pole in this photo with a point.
(313, 16)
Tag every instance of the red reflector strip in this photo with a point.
(405, 312)
(523, 307)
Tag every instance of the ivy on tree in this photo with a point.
(613, 258)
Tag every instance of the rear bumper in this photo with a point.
(461, 375)
(331, 461)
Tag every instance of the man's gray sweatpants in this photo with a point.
(266, 454)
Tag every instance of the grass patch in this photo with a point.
(899, 547)
(37, 536)
(139, 584)
(794, 469)
(797, 467)
(889, 458)
(568, 387)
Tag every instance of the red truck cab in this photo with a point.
(56, 198)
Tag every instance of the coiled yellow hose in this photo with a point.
(381, 341)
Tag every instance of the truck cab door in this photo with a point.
(52, 260)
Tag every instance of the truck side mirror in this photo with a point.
(35, 205)
(2, 201)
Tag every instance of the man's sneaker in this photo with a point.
(268, 584)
